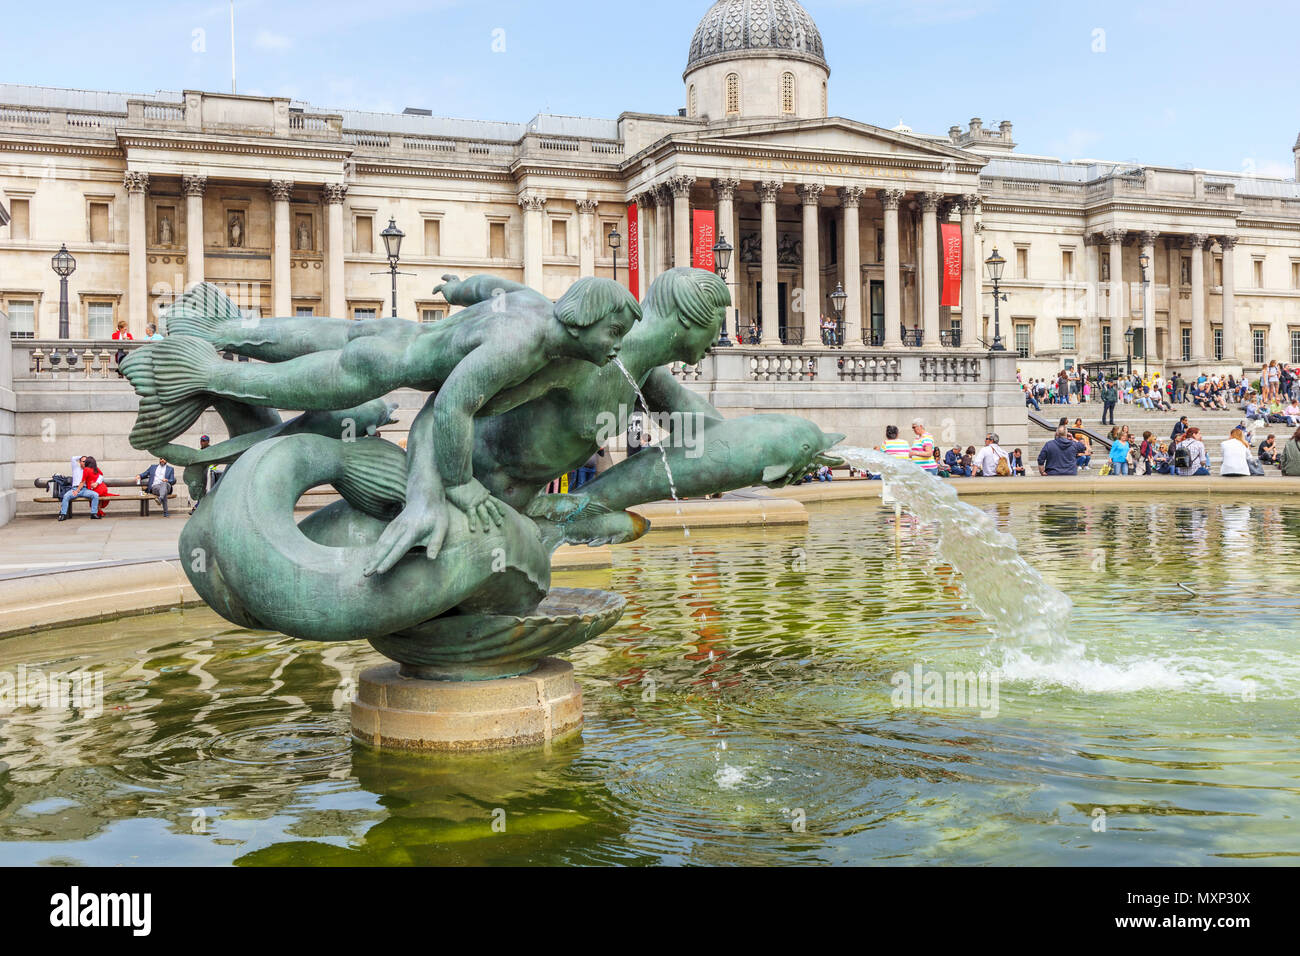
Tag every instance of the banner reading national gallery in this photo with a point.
(703, 237)
(951, 236)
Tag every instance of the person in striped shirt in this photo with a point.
(895, 446)
(923, 447)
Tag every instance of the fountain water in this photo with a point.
(663, 452)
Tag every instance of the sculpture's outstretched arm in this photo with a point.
(423, 519)
(482, 288)
(476, 379)
(665, 394)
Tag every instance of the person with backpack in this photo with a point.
(1190, 456)
(1109, 399)
(1289, 460)
(991, 461)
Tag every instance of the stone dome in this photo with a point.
(739, 28)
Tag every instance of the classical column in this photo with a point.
(1196, 243)
(281, 271)
(1091, 344)
(649, 209)
(1227, 244)
(681, 188)
(851, 201)
(1118, 307)
(137, 290)
(666, 225)
(335, 193)
(930, 268)
(767, 193)
(970, 271)
(889, 199)
(533, 205)
(725, 190)
(586, 237)
(810, 195)
(1147, 239)
(193, 187)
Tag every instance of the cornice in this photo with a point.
(208, 142)
(430, 172)
(64, 147)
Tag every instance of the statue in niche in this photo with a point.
(235, 228)
(165, 231)
(751, 248)
(1105, 267)
(304, 236)
(1186, 271)
(789, 251)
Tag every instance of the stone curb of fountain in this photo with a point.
(1055, 485)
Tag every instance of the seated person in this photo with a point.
(1160, 460)
(159, 480)
(952, 460)
(1268, 450)
(88, 485)
(1017, 463)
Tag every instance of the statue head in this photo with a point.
(695, 302)
(597, 313)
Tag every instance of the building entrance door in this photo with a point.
(788, 336)
(876, 297)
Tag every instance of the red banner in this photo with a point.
(705, 235)
(633, 252)
(951, 239)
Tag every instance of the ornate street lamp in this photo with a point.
(995, 264)
(393, 237)
(615, 240)
(838, 298)
(64, 265)
(721, 263)
(1144, 261)
(1128, 352)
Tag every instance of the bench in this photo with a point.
(145, 499)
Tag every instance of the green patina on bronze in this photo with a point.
(439, 554)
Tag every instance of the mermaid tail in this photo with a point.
(204, 312)
(170, 377)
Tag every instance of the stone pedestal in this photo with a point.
(395, 712)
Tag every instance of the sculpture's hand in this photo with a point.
(481, 509)
(419, 524)
(449, 285)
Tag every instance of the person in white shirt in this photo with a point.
(987, 458)
(1236, 455)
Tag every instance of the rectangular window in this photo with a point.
(1186, 334)
(99, 222)
(1105, 341)
(432, 237)
(361, 314)
(20, 219)
(304, 311)
(1295, 346)
(99, 320)
(22, 319)
(1068, 337)
(1259, 342)
(1295, 274)
(1022, 339)
(1218, 270)
(559, 237)
(365, 241)
(1218, 343)
(1067, 264)
(1022, 263)
(497, 240)
(1259, 273)
(432, 315)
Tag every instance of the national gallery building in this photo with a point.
(284, 206)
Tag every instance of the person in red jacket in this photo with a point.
(91, 486)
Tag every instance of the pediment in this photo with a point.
(820, 137)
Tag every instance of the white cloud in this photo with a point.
(266, 40)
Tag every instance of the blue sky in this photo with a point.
(1180, 83)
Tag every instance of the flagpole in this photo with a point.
(232, 47)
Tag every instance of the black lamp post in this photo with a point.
(64, 265)
(1144, 261)
(721, 262)
(995, 264)
(615, 240)
(392, 237)
(1128, 353)
(838, 298)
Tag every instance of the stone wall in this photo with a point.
(8, 450)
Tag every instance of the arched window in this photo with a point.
(690, 101)
(825, 104)
(787, 92)
(733, 94)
